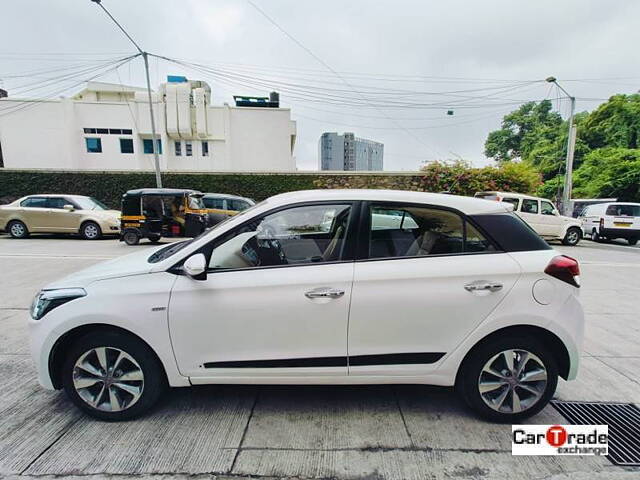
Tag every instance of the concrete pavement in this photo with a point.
(368, 432)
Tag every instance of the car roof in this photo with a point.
(468, 205)
(512, 194)
(225, 195)
(606, 204)
(56, 195)
(160, 191)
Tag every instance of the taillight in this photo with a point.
(564, 268)
(601, 223)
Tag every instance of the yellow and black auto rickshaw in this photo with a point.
(154, 213)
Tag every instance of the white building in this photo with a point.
(107, 127)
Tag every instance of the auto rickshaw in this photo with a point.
(154, 213)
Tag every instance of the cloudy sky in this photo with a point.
(388, 70)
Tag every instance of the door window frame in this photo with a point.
(364, 230)
(348, 250)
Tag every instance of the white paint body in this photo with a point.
(601, 219)
(550, 225)
(49, 134)
(400, 305)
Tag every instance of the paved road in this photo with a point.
(377, 432)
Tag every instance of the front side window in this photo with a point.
(237, 205)
(126, 145)
(296, 236)
(529, 206)
(34, 202)
(89, 203)
(215, 203)
(57, 202)
(94, 145)
(421, 231)
(547, 208)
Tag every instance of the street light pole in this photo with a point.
(571, 144)
(154, 141)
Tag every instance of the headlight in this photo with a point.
(47, 300)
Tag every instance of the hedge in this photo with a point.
(109, 186)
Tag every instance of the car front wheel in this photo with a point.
(633, 240)
(572, 237)
(508, 380)
(90, 231)
(113, 376)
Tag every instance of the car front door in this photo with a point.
(275, 301)
(60, 219)
(530, 213)
(550, 222)
(420, 288)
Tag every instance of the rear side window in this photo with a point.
(512, 201)
(529, 206)
(217, 203)
(421, 231)
(624, 210)
(510, 232)
(34, 202)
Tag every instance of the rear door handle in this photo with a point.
(481, 285)
(324, 292)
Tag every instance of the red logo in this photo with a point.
(556, 436)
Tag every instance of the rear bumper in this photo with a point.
(625, 233)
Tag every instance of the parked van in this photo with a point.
(606, 221)
(541, 215)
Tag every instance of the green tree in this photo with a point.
(524, 130)
(615, 123)
(609, 172)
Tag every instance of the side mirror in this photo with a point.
(69, 208)
(196, 266)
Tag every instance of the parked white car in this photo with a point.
(607, 221)
(454, 291)
(541, 215)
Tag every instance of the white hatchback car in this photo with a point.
(322, 287)
(541, 215)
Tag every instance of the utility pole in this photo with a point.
(154, 137)
(571, 144)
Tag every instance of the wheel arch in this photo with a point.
(547, 338)
(62, 345)
(86, 220)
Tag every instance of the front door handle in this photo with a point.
(481, 285)
(324, 292)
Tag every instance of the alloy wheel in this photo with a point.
(108, 379)
(91, 231)
(512, 381)
(17, 230)
(572, 236)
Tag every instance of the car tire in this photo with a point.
(17, 229)
(491, 395)
(131, 238)
(90, 231)
(97, 361)
(154, 238)
(633, 240)
(572, 237)
(595, 236)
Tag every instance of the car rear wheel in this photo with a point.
(507, 380)
(113, 376)
(131, 238)
(17, 229)
(595, 236)
(90, 231)
(154, 238)
(633, 240)
(572, 237)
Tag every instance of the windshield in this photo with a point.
(89, 203)
(170, 250)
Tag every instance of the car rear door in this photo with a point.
(35, 214)
(419, 289)
(622, 217)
